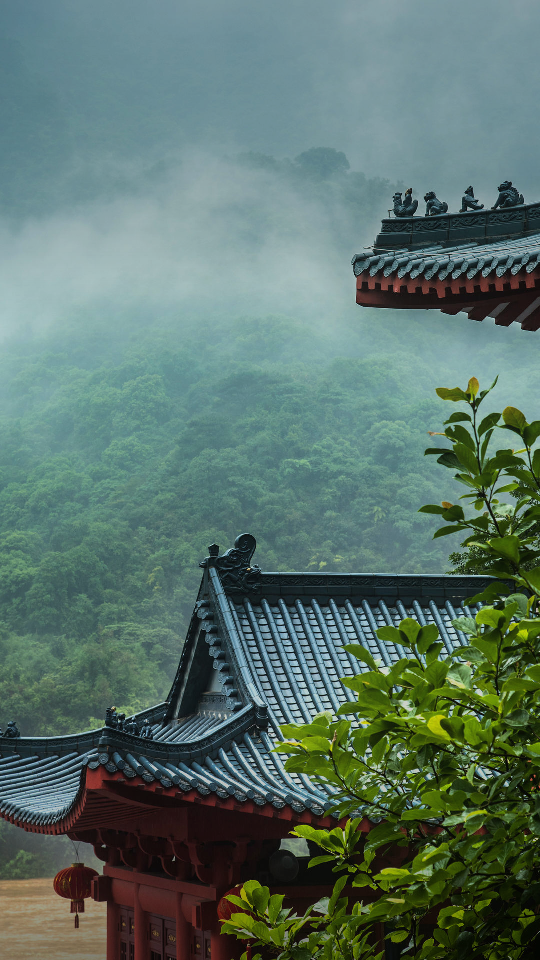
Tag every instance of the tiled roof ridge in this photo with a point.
(318, 578)
(249, 717)
(65, 744)
(521, 253)
(238, 663)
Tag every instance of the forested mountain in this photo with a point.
(125, 451)
(122, 455)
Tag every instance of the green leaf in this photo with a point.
(490, 617)
(436, 673)
(389, 634)
(338, 887)
(518, 718)
(533, 577)
(465, 624)
(275, 906)
(521, 600)
(454, 726)
(531, 432)
(507, 488)
(361, 653)
(493, 591)
(462, 435)
(507, 547)
(514, 418)
(445, 531)
(460, 674)
(473, 731)
(458, 418)
(427, 636)
(488, 422)
(408, 630)
(259, 898)
(322, 859)
(434, 724)
(436, 450)
(449, 459)
(473, 387)
(467, 457)
(455, 394)
(454, 513)
(317, 744)
(398, 936)
(379, 750)
(484, 393)
(432, 508)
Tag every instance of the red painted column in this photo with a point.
(113, 943)
(141, 940)
(224, 947)
(183, 932)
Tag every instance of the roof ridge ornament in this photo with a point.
(469, 201)
(406, 207)
(508, 196)
(236, 572)
(440, 227)
(434, 206)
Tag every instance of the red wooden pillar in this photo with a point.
(183, 932)
(113, 940)
(223, 947)
(141, 940)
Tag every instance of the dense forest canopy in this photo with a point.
(126, 448)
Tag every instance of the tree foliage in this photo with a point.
(435, 766)
(124, 452)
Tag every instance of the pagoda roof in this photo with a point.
(492, 277)
(262, 649)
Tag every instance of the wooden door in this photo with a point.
(162, 937)
(127, 934)
(200, 945)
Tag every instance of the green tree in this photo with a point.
(442, 753)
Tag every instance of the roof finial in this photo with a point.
(236, 572)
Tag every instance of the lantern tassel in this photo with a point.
(76, 921)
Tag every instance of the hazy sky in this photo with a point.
(433, 93)
(436, 93)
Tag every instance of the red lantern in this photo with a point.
(73, 883)
(225, 910)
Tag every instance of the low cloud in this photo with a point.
(210, 234)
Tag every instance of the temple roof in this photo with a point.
(473, 259)
(498, 278)
(262, 649)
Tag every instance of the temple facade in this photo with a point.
(201, 802)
